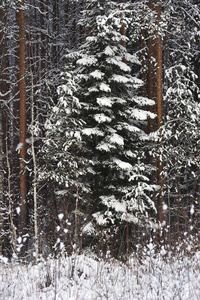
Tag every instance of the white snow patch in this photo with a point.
(105, 101)
(141, 101)
(122, 164)
(19, 147)
(104, 87)
(132, 58)
(18, 210)
(147, 275)
(192, 209)
(117, 139)
(87, 61)
(131, 128)
(141, 115)
(104, 147)
(29, 140)
(101, 118)
(117, 62)
(97, 74)
(92, 131)
(111, 201)
(100, 219)
(19, 240)
(165, 206)
(89, 228)
(60, 216)
(108, 51)
(120, 79)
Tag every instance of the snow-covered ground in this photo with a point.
(87, 278)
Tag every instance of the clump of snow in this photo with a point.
(122, 164)
(87, 61)
(105, 101)
(92, 131)
(101, 118)
(60, 216)
(141, 115)
(97, 74)
(142, 101)
(165, 206)
(112, 202)
(120, 79)
(104, 87)
(108, 51)
(117, 139)
(19, 147)
(117, 62)
(192, 209)
(18, 210)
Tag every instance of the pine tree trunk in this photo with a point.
(36, 243)
(22, 92)
(159, 105)
(155, 89)
(1, 181)
(151, 70)
(2, 92)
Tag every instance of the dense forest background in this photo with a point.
(99, 126)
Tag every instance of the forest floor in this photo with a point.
(84, 277)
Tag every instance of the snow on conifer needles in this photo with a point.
(100, 100)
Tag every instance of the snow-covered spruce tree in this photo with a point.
(113, 116)
(182, 123)
(63, 163)
(181, 145)
(106, 129)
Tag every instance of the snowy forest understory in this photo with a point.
(100, 149)
(83, 277)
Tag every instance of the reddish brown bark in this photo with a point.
(155, 90)
(151, 71)
(22, 93)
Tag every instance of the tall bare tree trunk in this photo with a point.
(4, 97)
(36, 243)
(10, 202)
(123, 43)
(1, 181)
(22, 93)
(155, 88)
(2, 91)
(151, 69)
(159, 105)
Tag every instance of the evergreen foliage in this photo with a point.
(103, 117)
(180, 131)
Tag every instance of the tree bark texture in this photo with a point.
(151, 69)
(155, 89)
(22, 93)
(2, 93)
(159, 104)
